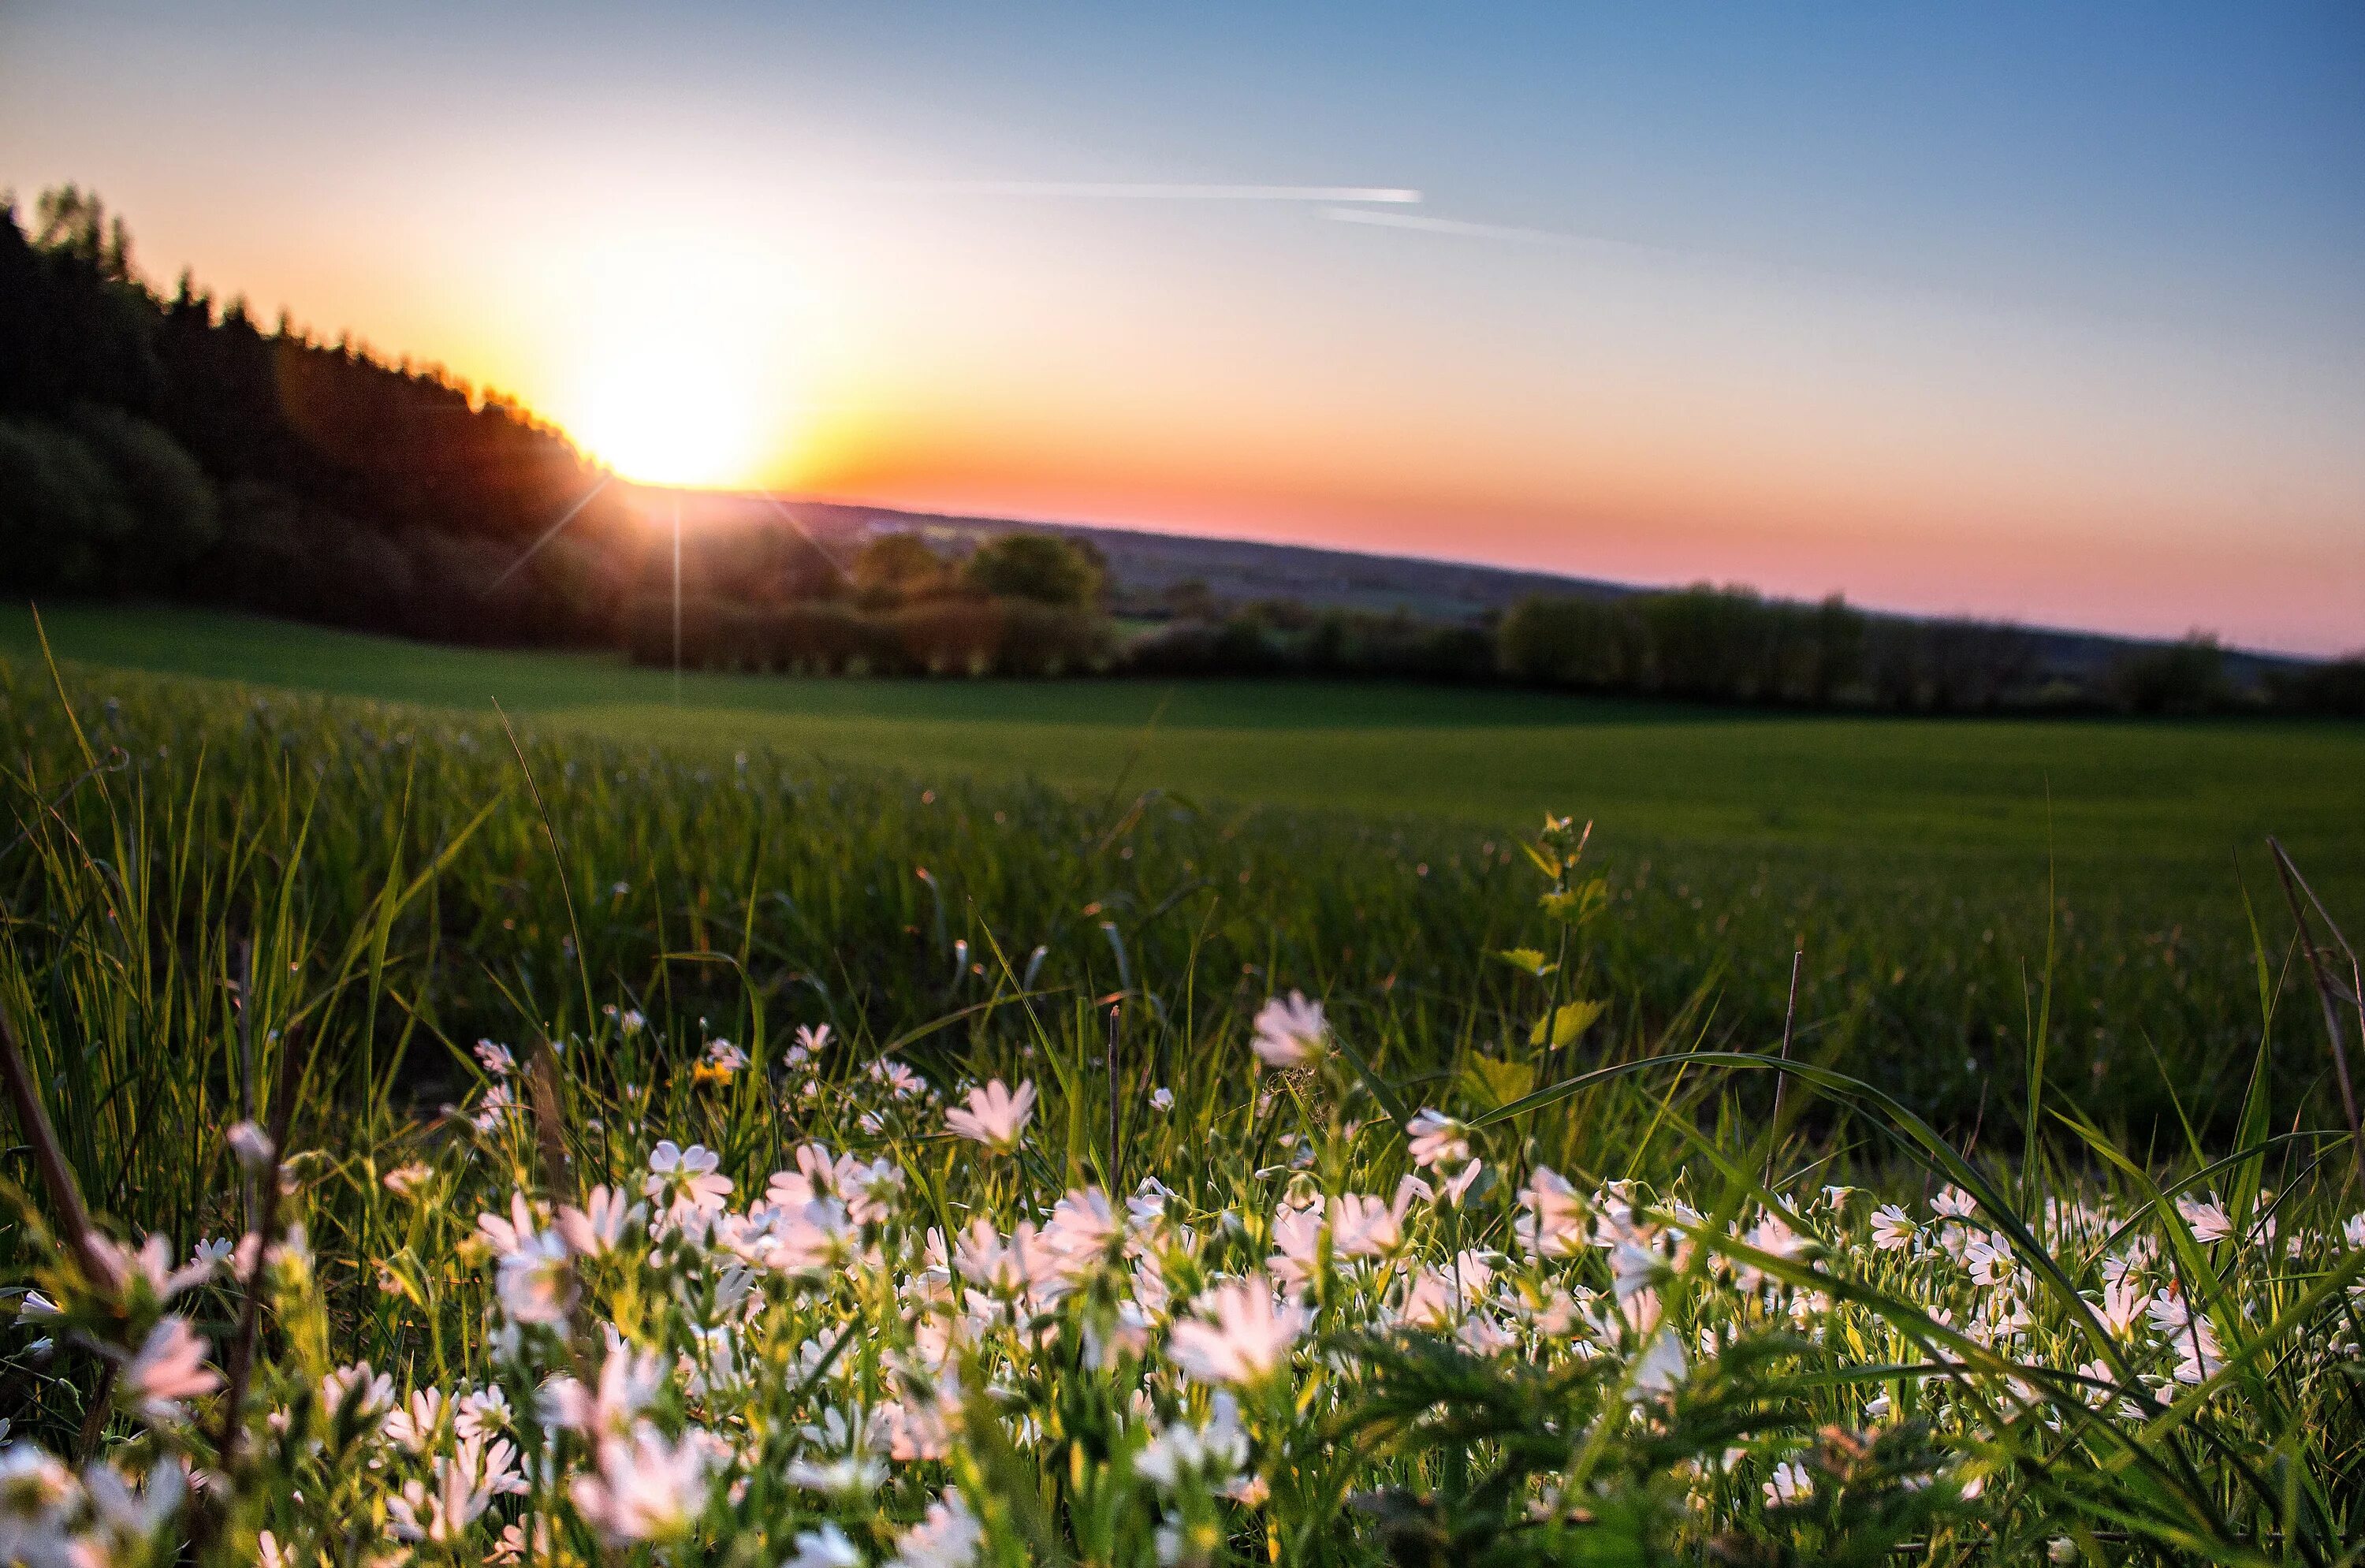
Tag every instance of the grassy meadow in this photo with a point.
(2147, 795)
(1175, 1302)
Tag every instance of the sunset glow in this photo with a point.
(665, 409)
(2035, 350)
(667, 360)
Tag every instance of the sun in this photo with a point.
(670, 410)
(675, 366)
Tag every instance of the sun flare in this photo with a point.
(670, 412)
(677, 377)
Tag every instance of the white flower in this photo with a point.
(996, 1116)
(818, 1237)
(685, 1179)
(126, 1519)
(367, 1395)
(1660, 1367)
(1991, 1262)
(413, 1425)
(1952, 1203)
(484, 1413)
(517, 1228)
(536, 1284)
(628, 1384)
(846, 1475)
(630, 1020)
(1438, 1139)
(824, 1547)
(497, 1059)
(1081, 1228)
(464, 1485)
(1791, 1484)
(168, 1368)
(898, 1080)
(2209, 1220)
(37, 1498)
(1298, 1235)
(1893, 1229)
(495, 1108)
(1290, 1032)
(1161, 1098)
(2124, 1304)
(947, 1538)
(646, 1487)
(1558, 1221)
(1363, 1226)
(251, 1145)
(2188, 1335)
(595, 1229)
(404, 1180)
(1212, 1455)
(151, 1264)
(1242, 1335)
(868, 1190)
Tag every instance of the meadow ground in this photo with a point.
(763, 1262)
(2148, 802)
(1911, 859)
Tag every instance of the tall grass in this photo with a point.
(1922, 980)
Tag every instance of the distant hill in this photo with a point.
(1144, 565)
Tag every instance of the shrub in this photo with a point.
(1041, 567)
(2183, 678)
(1043, 640)
(950, 636)
(2336, 687)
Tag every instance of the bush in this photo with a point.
(1594, 645)
(1238, 645)
(950, 636)
(2184, 677)
(822, 637)
(1040, 567)
(2336, 688)
(1042, 640)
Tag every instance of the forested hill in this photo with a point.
(155, 443)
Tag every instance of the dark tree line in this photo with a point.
(1023, 604)
(167, 444)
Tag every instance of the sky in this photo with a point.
(2041, 312)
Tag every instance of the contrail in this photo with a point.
(1151, 191)
(550, 533)
(1427, 225)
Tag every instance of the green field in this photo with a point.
(1642, 1309)
(203, 883)
(1364, 832)
(2158, 802)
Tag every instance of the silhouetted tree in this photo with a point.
(1041, 567)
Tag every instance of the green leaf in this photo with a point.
(1492, 1083)
(1566, 1023)
(1576, 905)
(1528, 959)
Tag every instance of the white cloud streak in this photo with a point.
(1120, 191)
(1463, 227)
